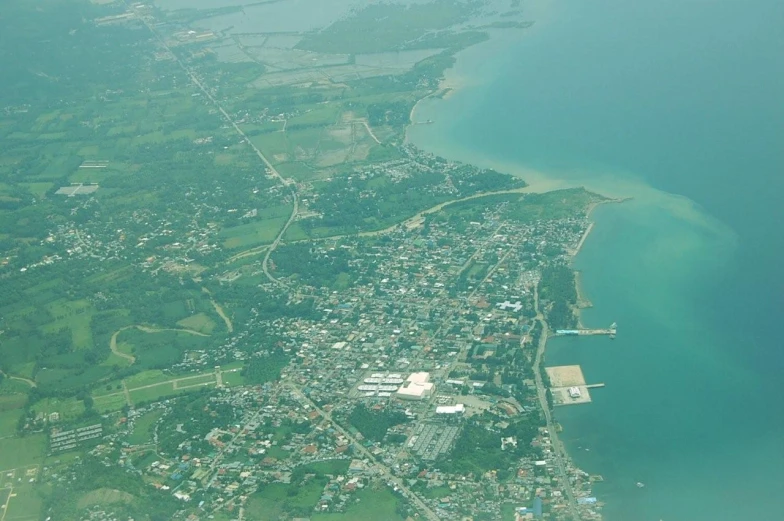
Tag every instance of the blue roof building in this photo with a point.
(538, 507)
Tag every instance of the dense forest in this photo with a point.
(374, 424)
(266, 367)
(558, 286)
(478, 447)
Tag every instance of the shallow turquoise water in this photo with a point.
(678, 104)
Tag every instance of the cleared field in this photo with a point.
(159, 136)
(274, 144)
(152, 394)
(8, 422)
(199, 322)
(276, 498)
(104, 496)
(38, 189)
(108, 403)
(297, 170)
(159, 392)
(188, 381)
(20, 452)
(233, 379)
(378, 505)
(143, 428)
(25, 505)
(334, 466)
(74, 315)
(69, 408)
(153, 376)
(252, 234)
(16, 396)
(318, 115)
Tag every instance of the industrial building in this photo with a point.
(416, 387)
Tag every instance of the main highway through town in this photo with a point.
(385, 471)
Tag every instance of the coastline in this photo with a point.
(447, 87)
(671, 265)
(536, 182)
(584, 302)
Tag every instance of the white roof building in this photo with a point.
(450, 409)
(416, 387)
(574, 392)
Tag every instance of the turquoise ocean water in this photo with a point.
(680, 105)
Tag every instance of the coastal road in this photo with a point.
(541, 391)
(385, 471)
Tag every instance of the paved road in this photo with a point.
(270, 169)
(265, 262)
(541, 391)
(385, 471)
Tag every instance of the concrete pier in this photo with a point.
(610, 331)
(584, 332)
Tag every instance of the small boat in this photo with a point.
(640, 484)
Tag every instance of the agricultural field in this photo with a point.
(104, 496)
(253, 234)
(159, 392)
(68, 408)
(143, 427)
(25, 504)
(275, 499)
(199, 322)
(9, 419)
(109, 403)
(22, 452)
(379, 505)
(233, 379)
(335, 467)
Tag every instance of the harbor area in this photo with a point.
(568, 386)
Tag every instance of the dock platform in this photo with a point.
(565, 378)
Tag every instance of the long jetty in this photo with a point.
(584, 332)
(610, 331)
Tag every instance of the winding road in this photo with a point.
(29, 382)
(146, 329)
(219, 311)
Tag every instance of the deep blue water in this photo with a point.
(679, 104)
